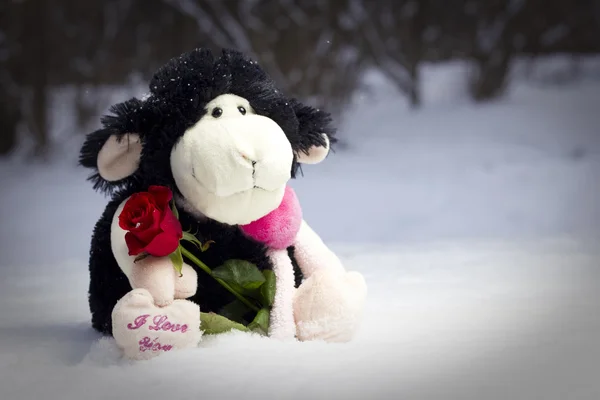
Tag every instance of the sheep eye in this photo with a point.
(217, 112)
(242, 110)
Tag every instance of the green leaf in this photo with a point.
(260, 323)
(140, 257)
(212, 323)
(240, 273)
(191, 232)
(174, 209)
(235, 311)
(206, 245)
(267, 290)
(177, 260)
(192, 239)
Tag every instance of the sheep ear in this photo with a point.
(315, 154)
(119, 157)
(113, 152)
(112, 156)
(315, 131)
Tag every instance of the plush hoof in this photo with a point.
(143, 330)
(329, 306)
(163, 282)
(186, 284)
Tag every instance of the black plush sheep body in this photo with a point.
(108, 283)
(217, 133)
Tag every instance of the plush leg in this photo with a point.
(186, 284)
(143, 330)
(158, 276)
(281, 324)
(329, 303)
(155, 274)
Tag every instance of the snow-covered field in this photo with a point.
(476, 227)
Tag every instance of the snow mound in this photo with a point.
(444, 320)
(475, 226)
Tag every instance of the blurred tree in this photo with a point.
(316, 50)
(301, 43)
(391, 34)
(10, 107)
(492, 45)
(81, 44)
(504, 29)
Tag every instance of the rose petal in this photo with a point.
(162, 195)
(152, 228)
(125, 220)
(137, 203)
(171, 225)
(134, 246)
(162, 245)
(145, 220)
(146, 215)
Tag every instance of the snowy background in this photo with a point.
(477, 227)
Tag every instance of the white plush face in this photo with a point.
(232, 165)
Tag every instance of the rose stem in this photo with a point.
(203, 266)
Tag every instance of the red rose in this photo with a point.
(150, 223)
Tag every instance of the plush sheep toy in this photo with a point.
(215, 131)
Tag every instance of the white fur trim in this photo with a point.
(316, 154)
(329, 303)
(157, 275)
(135, 316)
(329, 306)
(312, 254)
(281, 324)
(233, 168)
(186, 284)
(118, 245)
(119, 159)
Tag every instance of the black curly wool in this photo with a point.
(179, 93)
(108, 283)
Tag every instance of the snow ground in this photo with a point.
(476, 227)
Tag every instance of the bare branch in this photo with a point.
(236, 32)
(205, 22)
